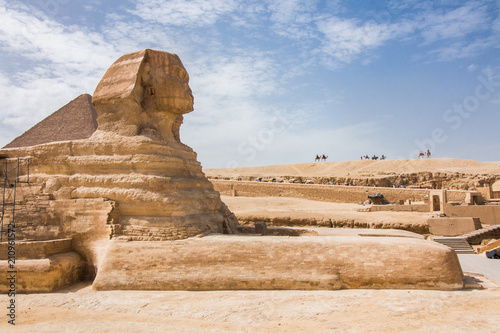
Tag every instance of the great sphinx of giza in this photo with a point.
(135, 156)
(139, 211)
(153, 186)
(140, 103)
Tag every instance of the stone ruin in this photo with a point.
(118, 199)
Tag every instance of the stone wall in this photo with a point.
(37, 250)
(87, 222)
(488, 214)
(332, 193)
(453, 226)
(400, 208)
(43, 275)
(40, 266)
(456, 195)
(486, 192)
(420, 228)
(223, 262)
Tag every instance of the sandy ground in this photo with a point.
(362, 168)
(80, 309)
(263, 208)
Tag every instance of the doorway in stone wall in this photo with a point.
(436, 203)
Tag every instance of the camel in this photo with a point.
(323, 158)
(317, 159)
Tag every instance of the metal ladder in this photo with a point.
(10, 182)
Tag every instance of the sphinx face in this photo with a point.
(165, 83)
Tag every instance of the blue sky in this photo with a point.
(276, 81)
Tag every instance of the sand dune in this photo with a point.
(363, 168)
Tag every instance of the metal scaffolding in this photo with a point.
(11, 172)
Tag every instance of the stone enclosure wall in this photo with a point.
(332, 193)
(486, 213)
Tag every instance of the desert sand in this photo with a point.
(363, 168)
(79, 309)
(428, 172)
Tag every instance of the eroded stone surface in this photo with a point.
(135, 157)
(221, 262)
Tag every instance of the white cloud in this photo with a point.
(471, 68)
(58, 64)
(346, 39)
(185, 13)
(130, 35)
(457, 23)
(290, 11)
(239, 76)
(462, 49)
(25, 105)
(45, 40)
(292, 18)
(230, 103)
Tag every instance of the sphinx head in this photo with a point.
(163, 84)
(144, 93)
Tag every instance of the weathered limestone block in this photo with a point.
(227, 262)
(37, 249)
(43, 275)
(86, 223)
(453, 226)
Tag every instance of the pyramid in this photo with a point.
(74, 121)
